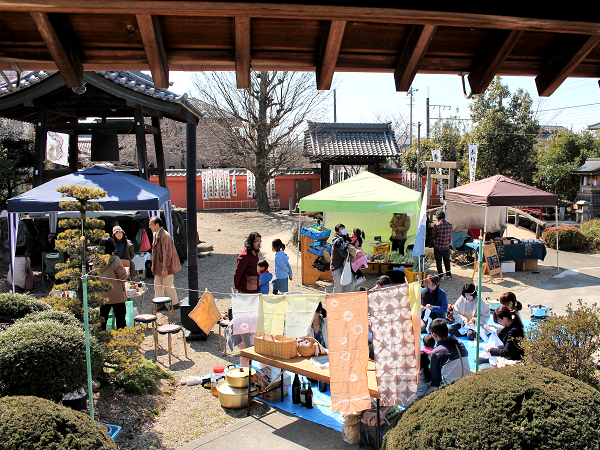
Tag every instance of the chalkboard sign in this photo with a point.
(501, 251)
(491, 259)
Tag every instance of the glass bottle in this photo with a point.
(303, 395)
(296, 390)
(309, 396)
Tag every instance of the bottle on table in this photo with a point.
(296, 390)
(309, 396)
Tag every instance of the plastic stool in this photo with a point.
(149, 318)
(163, 301)
(169, 330)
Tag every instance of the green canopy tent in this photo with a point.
(365, 201)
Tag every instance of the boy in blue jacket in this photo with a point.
(265, 276)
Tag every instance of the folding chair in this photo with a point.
(49, 262)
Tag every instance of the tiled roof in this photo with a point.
(134, 80)
(590, 165)
(341, 140)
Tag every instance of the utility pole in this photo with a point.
(410, 92)
(440, 108)
(334, 107)
(419, 181)
(427, 114)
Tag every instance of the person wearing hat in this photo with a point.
(124, 249)
(441, 243)
(400, 224)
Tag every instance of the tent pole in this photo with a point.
(477, 337)
(298, 252)
(556, 217)
(13, 228)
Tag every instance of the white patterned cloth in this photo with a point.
(299, 313)
(395, 322)
(245, 312)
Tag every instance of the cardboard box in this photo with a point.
(527, 264)
(508, 266)
(274, 396)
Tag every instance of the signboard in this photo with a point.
(491, 259)
(472, 161)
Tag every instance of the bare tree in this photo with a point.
(261, 125)
(400, 125)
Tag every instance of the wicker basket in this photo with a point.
(277, 346)
(307, 351)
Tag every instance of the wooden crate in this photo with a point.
(527, 264)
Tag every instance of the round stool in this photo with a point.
(148, 318)
(165, 301)
(169, 330)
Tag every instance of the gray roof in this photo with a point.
(134, 80)
(590, 165)
(350, 140)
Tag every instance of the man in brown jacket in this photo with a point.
(165, 262)
(400, 224)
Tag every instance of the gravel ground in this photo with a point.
(179, 414)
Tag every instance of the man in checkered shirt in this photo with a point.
(441, 243)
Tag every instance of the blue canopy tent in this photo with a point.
(124, 193)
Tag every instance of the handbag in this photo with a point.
(145, 242)
(346, 273)
(251, 283)
(28, 276)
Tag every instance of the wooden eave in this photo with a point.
(474, 38)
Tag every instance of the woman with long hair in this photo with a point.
(283, 270)
(510, 335)
(465, 313)
(114, 273)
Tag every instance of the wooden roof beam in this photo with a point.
(330, 49)
(242, 52)
(55, 34)
(562, 65)
(416, 46)
(155, 49)
(488, 65)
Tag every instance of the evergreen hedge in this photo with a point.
(46, 359)
(569, 239)
(17, 306)
(33, 423)
(63, 317)
(515, 407)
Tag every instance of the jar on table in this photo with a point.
(218, 375)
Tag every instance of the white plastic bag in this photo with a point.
(346, 273)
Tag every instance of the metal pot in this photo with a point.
(232, 397)
(238, 376)
(539, 310)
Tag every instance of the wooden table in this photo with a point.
(303, 366)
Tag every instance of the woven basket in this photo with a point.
(284, 348)
(307, 351)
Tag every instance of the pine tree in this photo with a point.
(70, 242)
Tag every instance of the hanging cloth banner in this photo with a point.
(57, 148)
(233, 184)
(299, 312)
(220, 176)
(250, 184)
(204, 190)
(245, 312)
(209, 188)
(227, 184)
(472, 161)
(348, 331)
(271, 314)
(436, 155)
(205, 313)
(215, 177)
(396, 342)
(272, 184)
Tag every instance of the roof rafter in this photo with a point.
(242, 52)
(155, 49)
(488, 65)
(330, 49)
(55, 34)
(562, 65)
(416, 46)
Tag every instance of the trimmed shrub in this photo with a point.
(38, 424)
(142, 378)
(569, 239)
(591, 229)
(568, 344)
(63, 317)
(509, 408)
(16, 306)
(46, 359)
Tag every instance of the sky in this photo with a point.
(360, 96)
